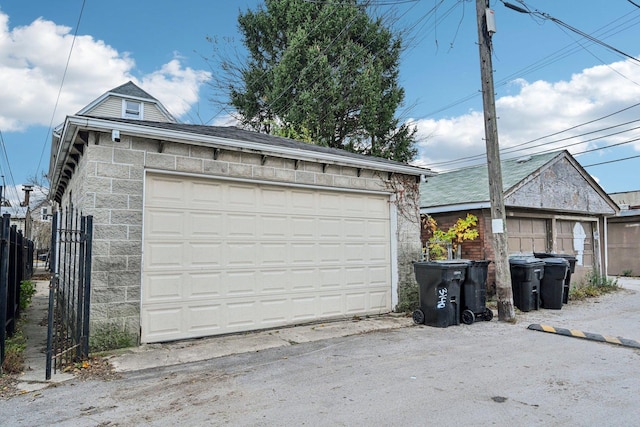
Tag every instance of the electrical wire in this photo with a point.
(64, 75)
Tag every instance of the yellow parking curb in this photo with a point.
(585, 335)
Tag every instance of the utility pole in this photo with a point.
(498, 214)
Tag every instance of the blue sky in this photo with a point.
(548, 79)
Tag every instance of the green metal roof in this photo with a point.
(471, 185)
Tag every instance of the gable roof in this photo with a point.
(128, 90)
(469, 187)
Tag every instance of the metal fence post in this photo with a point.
(4, 282)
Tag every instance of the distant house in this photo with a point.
(552, 205)
(203, 230)
(623, 248)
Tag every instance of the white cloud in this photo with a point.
(32, 63)
(542, 108)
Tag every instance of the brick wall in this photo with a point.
(480, 248)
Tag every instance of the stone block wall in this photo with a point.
(109, 181)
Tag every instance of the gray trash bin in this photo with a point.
(526, 274)
(572, 269)
(552, 284)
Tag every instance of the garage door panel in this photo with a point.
(274, 281)
(330, 253)
(241, 226)
(302, 279)
(303, 253)
(329, 228)
(259, 256)
(204, 195)
(165, 192)
(274, 227)
(240, 254)
(164, 223)
(204, 285)
(202, 318)
(240, 197)
(162, 287)
(526, 235)
(239, 283)
(204, 254)
(304, 308)
(164, 255)
(303, 227)
(356, 302)
(378, 229)
(203, 225)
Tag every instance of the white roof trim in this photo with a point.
(73, 123)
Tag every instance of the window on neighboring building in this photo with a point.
(131, 109)
(44, 214)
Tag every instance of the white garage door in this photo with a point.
(224, 256)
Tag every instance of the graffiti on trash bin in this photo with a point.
(442, 298)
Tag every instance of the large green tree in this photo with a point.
(326, 70)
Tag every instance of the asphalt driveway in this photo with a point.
(485, 373)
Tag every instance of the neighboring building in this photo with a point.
(202, 230)
(623, 248)
(20, 217)
(40, 213)
(552, 205)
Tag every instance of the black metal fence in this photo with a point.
(16, 265)
(69, 291)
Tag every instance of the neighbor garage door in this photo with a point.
(224, 256)
(526, 235)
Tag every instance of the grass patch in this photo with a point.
(109, 337)
(593, 285)
(408, 299)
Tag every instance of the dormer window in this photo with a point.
(131, 109)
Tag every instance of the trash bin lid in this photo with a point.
(480, 262)
(554, 255)
(525, 261)
(444, 264)
(556, 261)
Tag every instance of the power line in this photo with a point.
(512, 148)
(64, 75)
(611, 161)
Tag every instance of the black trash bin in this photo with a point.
(552, 284)
(526, 273)
(572, 269)
(474, 293)
(439, 292)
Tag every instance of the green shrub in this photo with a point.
(109, 337)
(27, 291)
(627, 273)
(14, 353)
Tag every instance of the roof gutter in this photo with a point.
(208, 140)
(455, 208)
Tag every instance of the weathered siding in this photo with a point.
(559, 188)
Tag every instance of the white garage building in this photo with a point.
(203, 230)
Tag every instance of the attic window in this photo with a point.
(131, 109)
